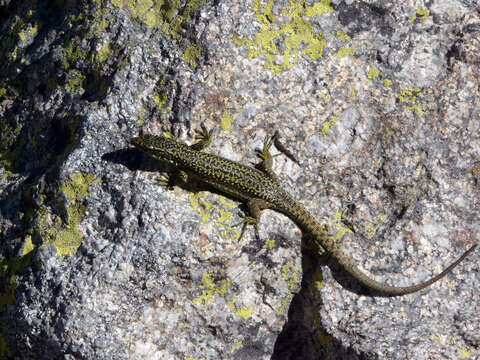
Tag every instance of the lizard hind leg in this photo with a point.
(254, 206)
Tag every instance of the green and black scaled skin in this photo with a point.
(260, 189)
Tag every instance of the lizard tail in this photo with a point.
(310, 226)
(396, 290)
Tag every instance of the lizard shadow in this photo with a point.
(133, 160)
(303, 335)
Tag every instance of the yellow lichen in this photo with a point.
(420, 12)
(210, 288)
(244, 312)
(202, 206)
(226, 121)
(283, 43)
(237, 345)
(410, 96)
(465, 353)
(373, 73)
(343, 52)
(224, 218)
(328, 124)
(343, 36)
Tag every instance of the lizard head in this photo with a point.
(159, 147)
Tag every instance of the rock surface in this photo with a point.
(379, 102)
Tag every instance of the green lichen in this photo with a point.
(282, 309)
(230, 233)
(441, 339)
(291, 275)
(317, 280)
(29, 247)
(11, 145)
(418, 109)
(227, 202)
(8, 282)
(206, 210)
(409, 95)
(34, 30)
(325, 340)
(269, 244)
(75, 82)
(171, 17)
(79, 56)
(101, 23)
(225, 220)
(191, 55)
(289, 39)
(9, 268)
(4, 348)
(371, 231)
(142, 116)
(231, 304)
(244, 312)
(161, 99)
(13, 33)
(103, 53)
(72, 53)
(65, 235)
(339, 225)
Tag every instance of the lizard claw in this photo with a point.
(203, 134)
(247, 220)
(204, 137)
(165, 180)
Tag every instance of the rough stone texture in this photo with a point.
(379, 101)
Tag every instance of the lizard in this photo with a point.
(259, 188)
